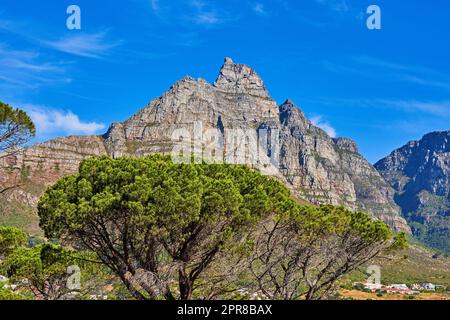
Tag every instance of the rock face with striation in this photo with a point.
(420, 174)
(326, 170)
(316, 167)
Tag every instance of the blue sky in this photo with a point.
(380, 87)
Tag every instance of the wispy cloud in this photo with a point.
(206, 13)
(439, 108)
(260, 9)
(155, 5)
(27, 69)
(93, 45)
(379, 69)
(410, 73)
(335, 5)
(207, 18)
(161, 10)
(192, 12)
(318, 121)
(52, 122)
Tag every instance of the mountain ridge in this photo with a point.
(318, 168)
(419, 172)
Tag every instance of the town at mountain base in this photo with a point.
(315, 166)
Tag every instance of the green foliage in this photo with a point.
(10, 239)
(430, 222)
(44, 267)
(180, 214)
(196, 230)
(16, 127)
(434, 233)
(18, 214)
(6, 294)
(400, 242)
(309, 249)
(38, 262)
(24, 173)
(317, 223)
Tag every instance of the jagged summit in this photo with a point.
(288, 102)
(240, 79)
(290, 113)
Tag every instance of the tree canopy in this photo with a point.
(154, 222)
(11, 239)
(16, 128)
(197, 230)
(306, 249)
(43, 267)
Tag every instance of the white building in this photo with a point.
(424, 286)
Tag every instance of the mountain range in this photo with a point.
(411, 183)
(419, 172)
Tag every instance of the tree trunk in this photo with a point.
(185, 285)
(310, 294)
(131, 289)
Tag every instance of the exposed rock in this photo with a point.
(315, 166)
(346, 144)
(240, 78)
(420, 174)
(326, 170)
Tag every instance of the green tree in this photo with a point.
(42, 269)
(155, 223)
(10, 239)
(9, 295)
(306, 249)
(16, 129)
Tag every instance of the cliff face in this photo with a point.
(420, 174)
(315, 166)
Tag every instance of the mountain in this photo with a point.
(420, 174)
(316, 167)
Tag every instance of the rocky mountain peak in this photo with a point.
(313, 165)
(240, 79)
(290, 113)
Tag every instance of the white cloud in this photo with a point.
(53, 122)
(155, 5)
(259, 9)
(92, 45)
(207, 18)
(324, 125)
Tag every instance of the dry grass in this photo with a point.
(360, 295)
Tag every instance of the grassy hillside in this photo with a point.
(416, 265)
(19, 213)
